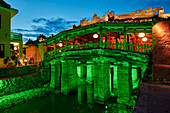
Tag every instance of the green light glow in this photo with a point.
(107, 65)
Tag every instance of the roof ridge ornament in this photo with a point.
(140, 15)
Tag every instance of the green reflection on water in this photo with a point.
(80, 101)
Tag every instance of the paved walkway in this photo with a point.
(153, 99)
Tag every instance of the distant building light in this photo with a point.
(141, 34)
(14, 43)
(15, 48)
(144, 39)
(60, 44)
(95, 36)
(107, 18)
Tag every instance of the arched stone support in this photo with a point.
(102, 81)
(89, 94)
(124, 82)
(135, 80)
(115, 84)
(53, 74)
(82, 69)
(90, 72)
(68, 76)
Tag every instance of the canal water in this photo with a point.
(81, 101)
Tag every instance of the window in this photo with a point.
(2, 50)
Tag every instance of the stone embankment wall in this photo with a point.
(20, 89)
(19, 84)
(18, 71)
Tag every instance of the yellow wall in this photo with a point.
(5, 33)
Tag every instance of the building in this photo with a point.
(8, 40)
(35, 50)
(112, 53)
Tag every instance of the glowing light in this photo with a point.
(107, 18)
(14, 43)
(144, 39)
(60, 44)
(141, 34)
(15, 48)
(95, 36)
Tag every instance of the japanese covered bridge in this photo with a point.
(111, 55)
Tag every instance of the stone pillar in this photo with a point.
(135, 77)
(115, 85)
(58, 75)
(68, 76)
(82, 70)
(89, 94)
(53, 74)
(64, 76)
(124, 82)
(79, 95)
(90, 72)
(102, 81)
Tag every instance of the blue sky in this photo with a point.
(48, 17)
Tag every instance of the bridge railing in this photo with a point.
(112, 45)
(83, 46)
(142, 48)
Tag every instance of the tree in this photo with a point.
(30, 40)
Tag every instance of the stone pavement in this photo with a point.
(153, 98)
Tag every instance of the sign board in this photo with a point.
(16, 36)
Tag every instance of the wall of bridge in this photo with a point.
(68, 74)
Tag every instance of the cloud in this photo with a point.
(21, 30)
(38, 20)
(45, 26)
(31, 35)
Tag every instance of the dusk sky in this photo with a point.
(48, 17)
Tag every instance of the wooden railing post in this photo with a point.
(100, 36)
(105, 40)
(124, 42)
(66, 43)
(55, 47)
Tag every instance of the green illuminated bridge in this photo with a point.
(109, 55)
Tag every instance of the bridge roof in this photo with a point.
(112, 26)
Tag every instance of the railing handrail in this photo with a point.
(142, 48)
